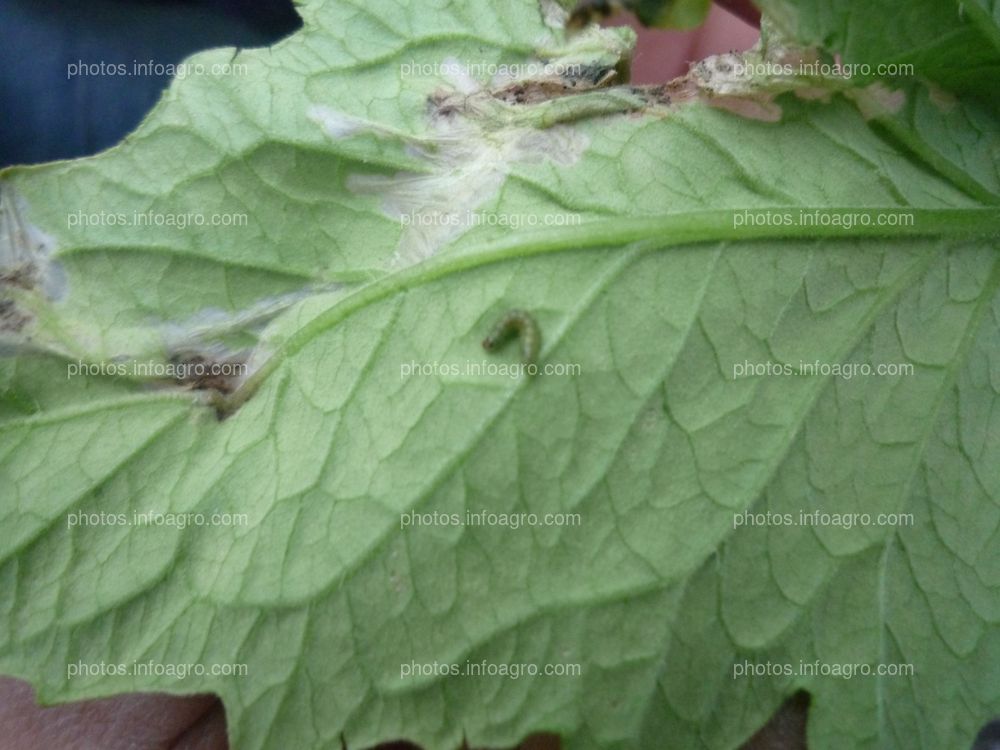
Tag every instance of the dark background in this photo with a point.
(44, 115)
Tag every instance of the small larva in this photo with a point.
(516, 323)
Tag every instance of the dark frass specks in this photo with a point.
(516, 323)
(212, 372)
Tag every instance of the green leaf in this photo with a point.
(685, 263)
(953, 42)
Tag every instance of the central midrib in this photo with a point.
(669, 231)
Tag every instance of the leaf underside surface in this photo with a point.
(661, 249)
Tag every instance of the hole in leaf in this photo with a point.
(988, 737)
(786, 729)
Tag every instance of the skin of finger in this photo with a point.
(127, 722)
(742, 9)
(661, 55)
(209, 733)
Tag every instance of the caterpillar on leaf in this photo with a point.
(516, 323)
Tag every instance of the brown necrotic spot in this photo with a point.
(24, 276)
(12, 319)
(203, 371)
(215, 374)
(573, 79)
